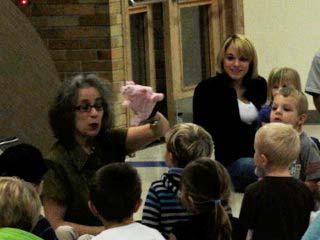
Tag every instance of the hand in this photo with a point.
(141, 100)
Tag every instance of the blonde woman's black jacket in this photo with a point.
(215, 108)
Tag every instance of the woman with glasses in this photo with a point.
(227, 106)
(81, 118)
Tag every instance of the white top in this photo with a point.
(248, 112)
(133, 231)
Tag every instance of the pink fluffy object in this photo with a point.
(141, 99)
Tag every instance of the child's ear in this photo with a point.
(264, 160)
(302, 118)
(93, 208)
(170, 159)
(190, 202)
(137, 206)
(168, 156)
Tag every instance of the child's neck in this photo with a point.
(298, 128)
(278, 173)
(112, 224)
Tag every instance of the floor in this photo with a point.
(150, 164)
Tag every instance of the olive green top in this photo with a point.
(16, 234)
(71, 171)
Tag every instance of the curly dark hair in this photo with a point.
(62, 112)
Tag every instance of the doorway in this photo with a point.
(172, 45)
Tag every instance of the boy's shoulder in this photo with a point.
(133, 231)
(309, 153)
(276, 184)
(278, 189)
(146, 230)
(157, 184)
(157, 187)
(305, 139)
(307, 142)
(168, 181)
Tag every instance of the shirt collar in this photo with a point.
(175, 170)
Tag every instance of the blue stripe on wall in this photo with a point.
(147, 163)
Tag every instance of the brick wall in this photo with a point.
(82, 36)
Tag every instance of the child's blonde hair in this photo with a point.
(285, 74)
(19, 204)
(300, 97)
(279, 142)
(188, 141)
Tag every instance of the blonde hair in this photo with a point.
(285, 74)
(188, 141)
(208, 184)
(19, 204)
(244, 48)
(300, 97)
(279, 142)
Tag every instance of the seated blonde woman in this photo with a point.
(19, 209)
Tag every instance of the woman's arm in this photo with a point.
(140, 136)
(200, 107)
(54, 212)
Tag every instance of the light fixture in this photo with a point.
(24, 2)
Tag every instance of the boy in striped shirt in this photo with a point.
(185, 142)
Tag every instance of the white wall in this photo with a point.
(284, 32)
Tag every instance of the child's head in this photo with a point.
(276, 145)
(24, 161)
(204, 184)
(19, 204)
(290, 106)
(115, 192)
(186, 142)
(280, 78)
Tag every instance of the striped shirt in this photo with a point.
(162, 208)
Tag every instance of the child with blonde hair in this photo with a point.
(278, 206)
(184, 143)
(278, 78)
(27, 163)
(290, 106)
(19, 209)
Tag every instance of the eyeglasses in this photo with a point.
(85, 108)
